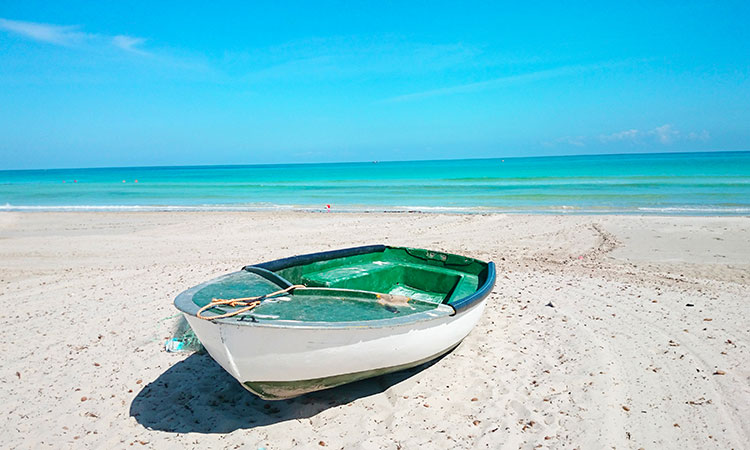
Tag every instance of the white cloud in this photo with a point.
(71, 36)
(664, 134)
(627, 135)
(128, 43)
(703, 136)
(577, 141)
(43, 32)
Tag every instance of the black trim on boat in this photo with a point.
(479, 294)
(268, 275)
(299, 260)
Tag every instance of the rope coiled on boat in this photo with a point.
(248, 302)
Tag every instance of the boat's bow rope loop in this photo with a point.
(248, 303)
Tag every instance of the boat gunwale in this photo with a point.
(478, 295)
(184, 301)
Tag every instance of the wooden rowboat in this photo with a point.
(341, 315)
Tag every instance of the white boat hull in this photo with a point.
(277, 362)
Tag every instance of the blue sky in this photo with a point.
(88, 84)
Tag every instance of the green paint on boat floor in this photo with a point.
(417, 294)
(317, 305)
(427, 278)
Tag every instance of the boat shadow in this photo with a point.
(197, 396)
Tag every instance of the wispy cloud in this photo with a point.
(700, 136)
(626, 135)
(664, 134)
(43, 32)
(129, 43)
(503, 81)
(339, 57)
(71, 36)
(576, 141)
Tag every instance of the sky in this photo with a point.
(102, 84)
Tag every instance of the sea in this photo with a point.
(712, 183)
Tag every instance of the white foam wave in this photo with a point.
(693, 209)
(146, 208)
(556, 209)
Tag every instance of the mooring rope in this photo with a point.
(248, 302)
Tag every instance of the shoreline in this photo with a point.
(645, 342)
(561, 211)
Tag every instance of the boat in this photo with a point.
(310, 322)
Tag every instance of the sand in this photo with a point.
(602, 332)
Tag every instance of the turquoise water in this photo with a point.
(677, 183)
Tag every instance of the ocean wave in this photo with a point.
(697, 209)
(142, 208)
(536, 209)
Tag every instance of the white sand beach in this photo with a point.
(601, 332)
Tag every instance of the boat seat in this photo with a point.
(334, 277)
(414, 281)
(467, 285)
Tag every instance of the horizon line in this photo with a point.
(371, 161)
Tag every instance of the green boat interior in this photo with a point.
(351, 288)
